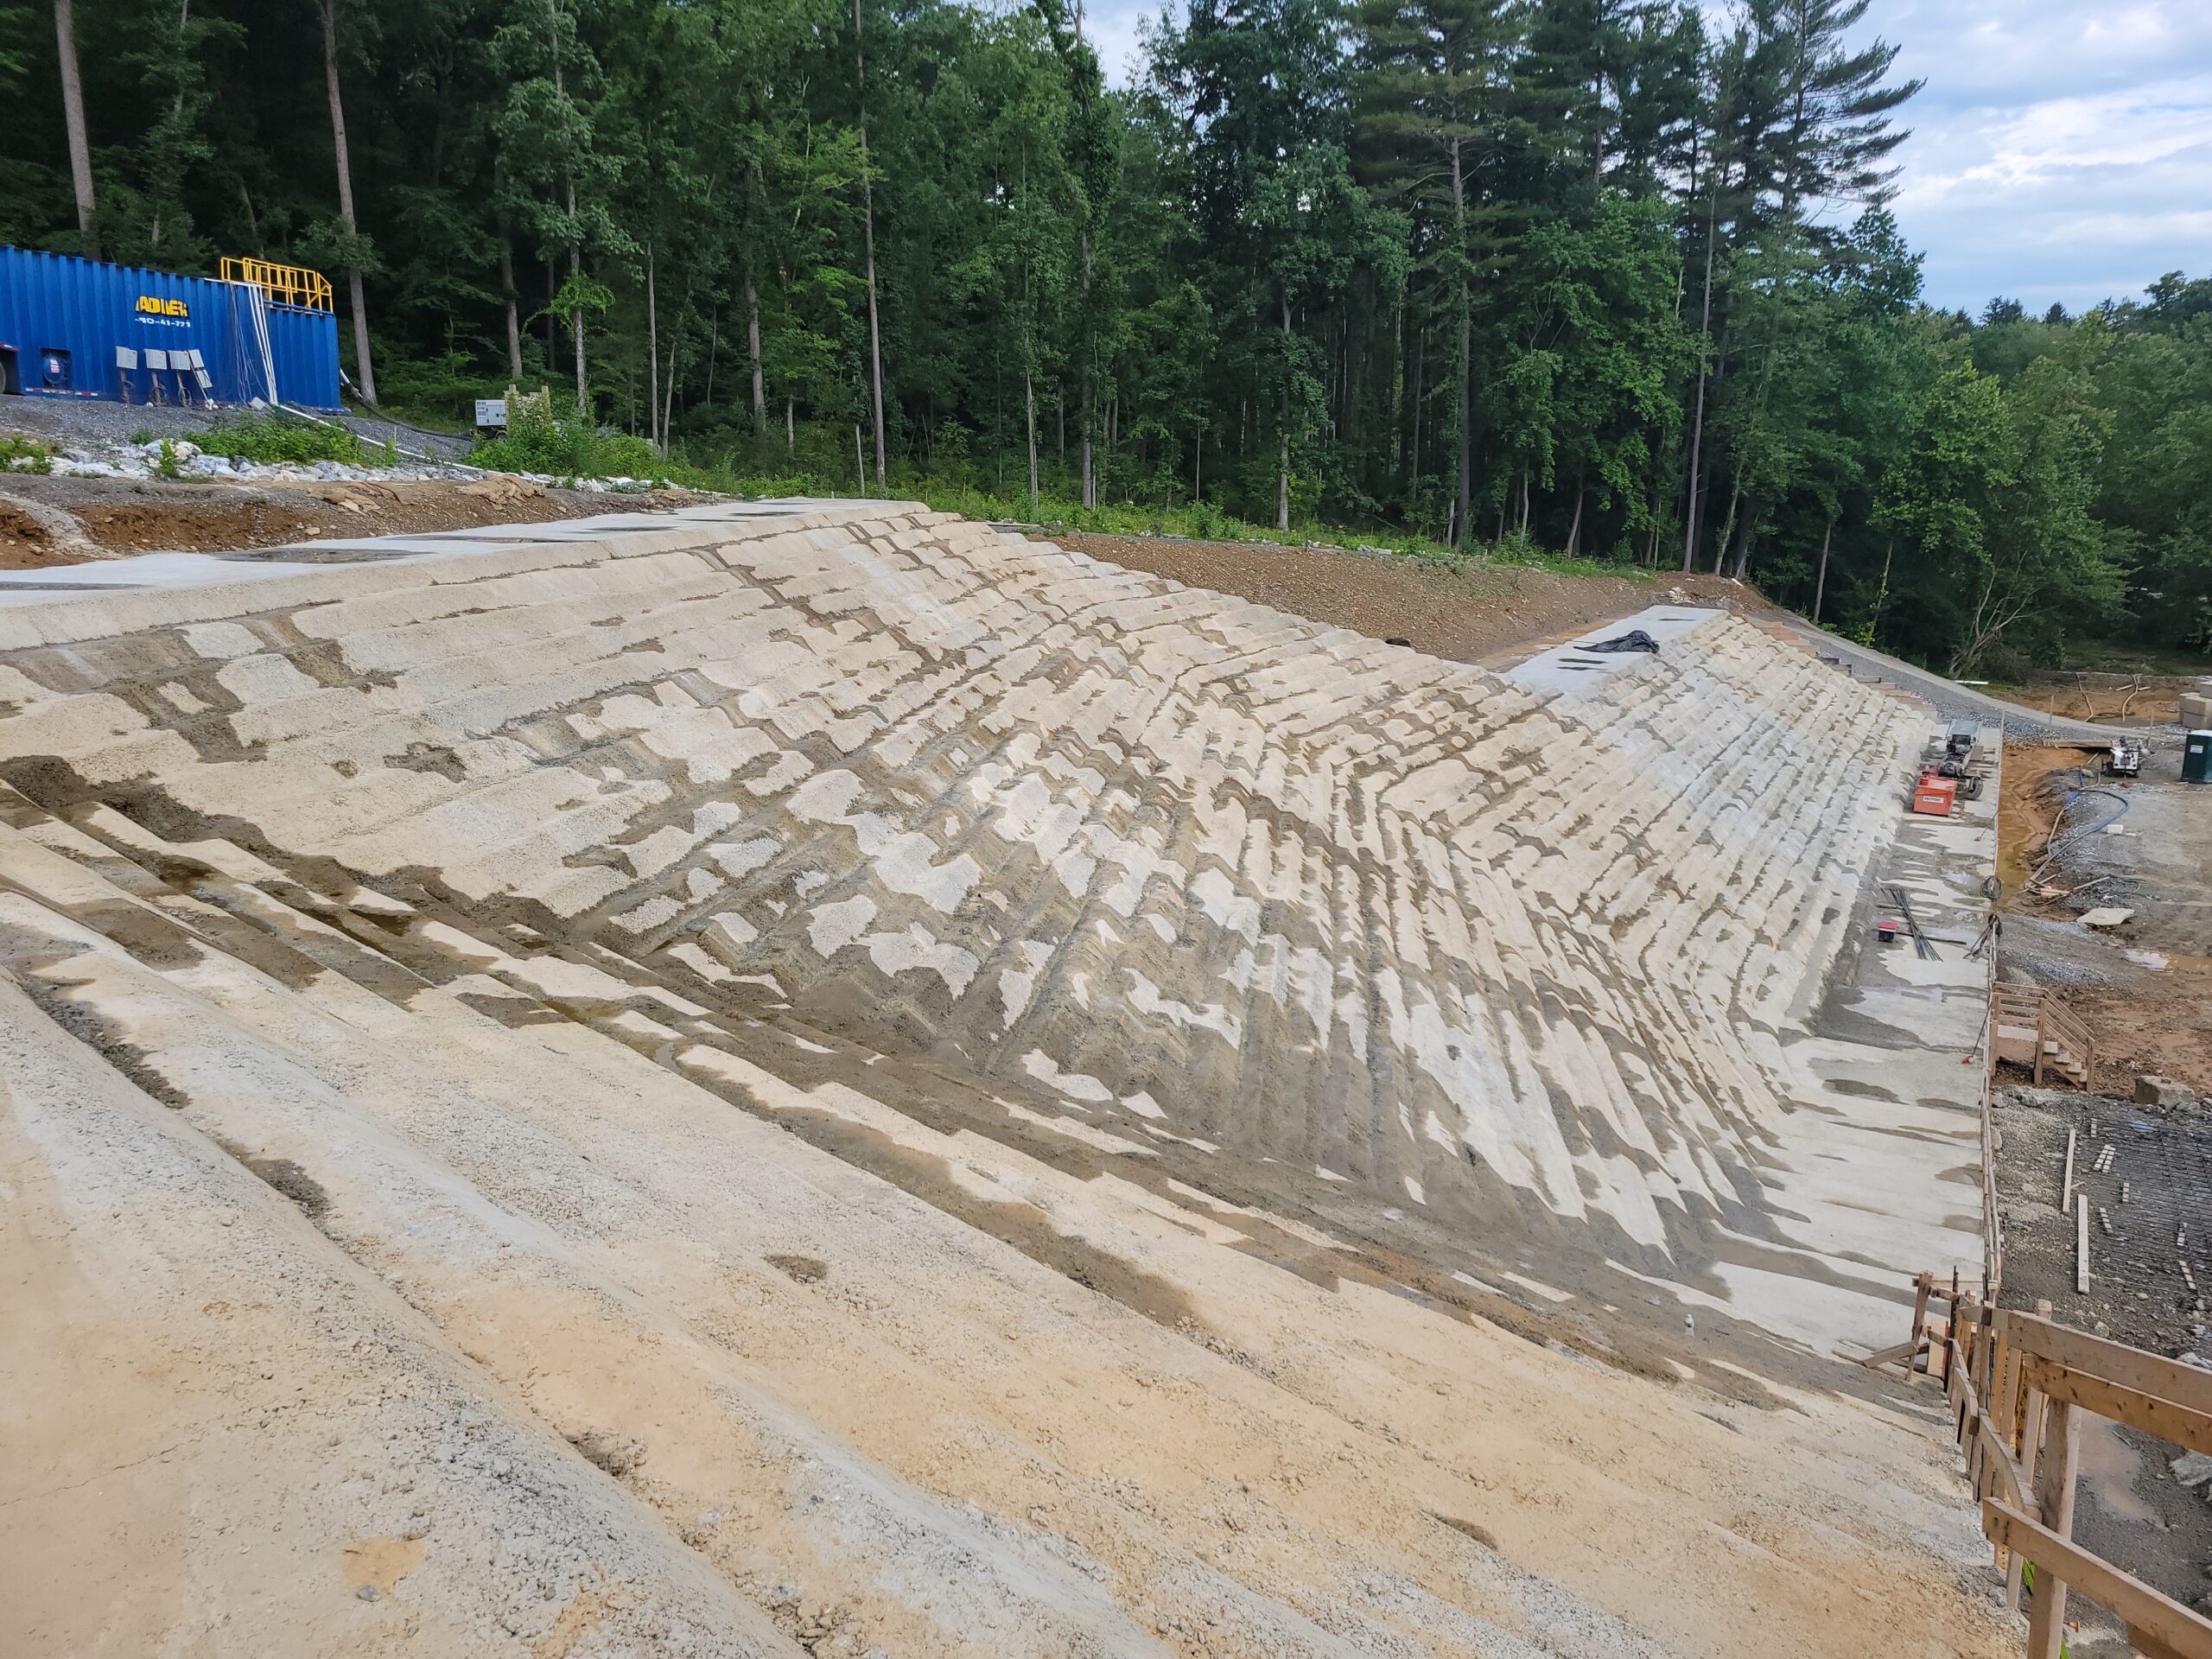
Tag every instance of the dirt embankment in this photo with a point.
(116, 516)
(2115, 699)
(2144, 986)
(1467, 615)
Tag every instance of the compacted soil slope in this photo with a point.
(730, 1083)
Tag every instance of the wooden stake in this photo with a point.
(2082, 1245)
(2055, 1479)
(2066, 1188)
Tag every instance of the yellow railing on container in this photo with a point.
(284, 284)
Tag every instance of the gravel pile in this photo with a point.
(66, 420)
(103, 440)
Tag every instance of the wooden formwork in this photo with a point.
(2018, 1385)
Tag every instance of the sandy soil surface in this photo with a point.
(54, 521)
(1469, 616)
(2117, 699)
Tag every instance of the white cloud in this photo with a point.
(2060, 151)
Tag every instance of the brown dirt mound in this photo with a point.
(25, 543)
(143, 515)
(1467, 616)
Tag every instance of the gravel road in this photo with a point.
(1947, 697)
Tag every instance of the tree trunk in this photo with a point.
(652, 355)
(790, 426)
(1029, 403)
(1090, 481)
(72, 115)
(1697, 419)
(1395, 460)
(1750, 535)
(868, 224)
(1412, 444)
(514, 311)
(668, 397)
(1727, 525)
(753, 342)
(1820, 581)
(575, 248)
(1882, 592)
(713, 351)
(366, 379)
(176, 115)
(576, 312)
(1282, 469)
(1574, 529)
(1463, 491)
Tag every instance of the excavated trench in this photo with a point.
(1007, 1106)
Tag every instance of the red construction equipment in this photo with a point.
(1935, 795)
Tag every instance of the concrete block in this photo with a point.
(2163, 1091)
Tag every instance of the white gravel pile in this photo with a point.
(180, 458)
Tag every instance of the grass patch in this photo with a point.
(2132, 656)
(539, 443)
(270, 439)
(1201, 521)
(26, 455)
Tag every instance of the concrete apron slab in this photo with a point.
(1878, 1174)
(171, 571)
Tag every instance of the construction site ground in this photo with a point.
(2143, 987)
(2133, 1509)
(2138, 700)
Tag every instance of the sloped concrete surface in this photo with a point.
(820, 1079)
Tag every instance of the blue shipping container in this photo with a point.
(73, 327)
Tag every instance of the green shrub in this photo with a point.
(25, 456)
(270, 438)
(559, 449)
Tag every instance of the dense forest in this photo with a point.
(1606, 277)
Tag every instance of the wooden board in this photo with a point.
(2169, 1421)
(2185, 1634)
(2113, 1361)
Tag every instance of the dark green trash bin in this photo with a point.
(2197, 757)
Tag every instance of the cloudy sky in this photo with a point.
(2062, 148)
